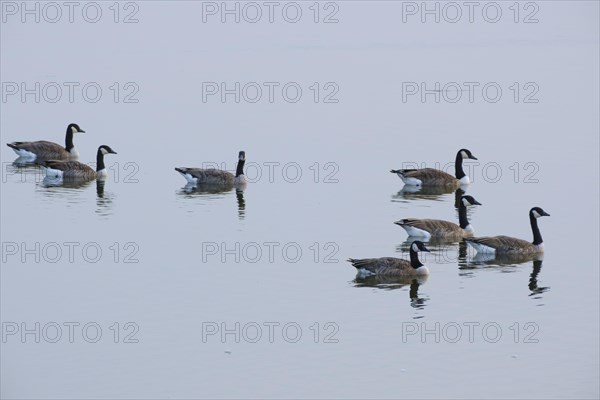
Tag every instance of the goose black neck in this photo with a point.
(537, 236)
(414, 259)
(69, 139)
(462, 214)
(240, 168)
(458, 168)
(99, 161)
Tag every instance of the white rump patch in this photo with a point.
(189, 178)
(52, 173)
(410, 181)
(364, 273)
(25, 154)
(481, 248)
(412, 231)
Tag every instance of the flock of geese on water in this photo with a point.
(61, 163)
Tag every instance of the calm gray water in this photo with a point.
(141, 288)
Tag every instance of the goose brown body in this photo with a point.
(44, 150)
(215, 177)
(434, 177)
(510, 245)
(390, 266)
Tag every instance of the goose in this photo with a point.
(438, 228)
(198, 176)
(76, 170)
(434, 177)
(48, 150)
(390, 266)
(510, 245)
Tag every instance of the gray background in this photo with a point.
(176, 288)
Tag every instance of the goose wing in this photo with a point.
(430, 176)
(502, 244)
(381, 266)
(208, 176)
(436, 227)
(41, 148)
(71, 169)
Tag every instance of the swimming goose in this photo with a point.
(390, 266)
(438, 228)
(48, 150)
(507, 244)
(198, 176)
(76, 170)
(434, 177)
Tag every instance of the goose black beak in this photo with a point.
(113, 152)
(473, 157)
(81, 131)
(545, 214)
(425, 249)
(477, 203)
(397, 222)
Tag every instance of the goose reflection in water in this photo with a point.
(395, 282)
(213, 191)
(490, 261)
(533, 283)
(24, 169)
(104, 200)
(438, 193)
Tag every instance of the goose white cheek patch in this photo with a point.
(414, 247)
(535, 214)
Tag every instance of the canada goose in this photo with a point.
(77, 170)
(48, 150)
(198, 176)
(434, 177)
(439, 228)
(507, 244)
(390, 266)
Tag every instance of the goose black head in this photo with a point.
(104, 149)
(469, 201)
(537, 212)
(242, 156)
(75, 128)
(417, 246)
(467, 154)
